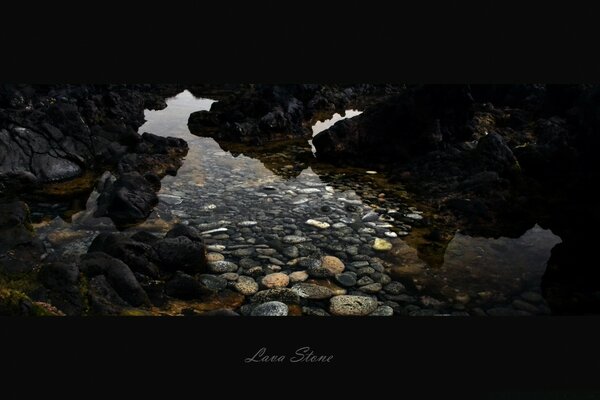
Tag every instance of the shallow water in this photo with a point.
(250, 198)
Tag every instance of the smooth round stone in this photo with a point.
(294, 239)
(215, 247)
(382, 245)
(332, 264)
(371, 288)
(394, 288)
(339, 225)
(275, 280)
(345, 279)
(247, 263)
(255, 271)
(382, 311)
(246, 285)
(230, 276)
(213, 257)
(219, 267)
(291, 252)
(371, 172)
(365, 280)
(285, 295)
(525, 306)
(312, 291)
(243, 252)
(370, 216)
(317, 224)
(270, 309)
(349, 305)
(298, 276)
(414, 216)
(247, 223)
(391, 234)
(215, 283)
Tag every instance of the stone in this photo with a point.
(382, 245)
(370, 216)
(291, 252)
(349, 305)
(285, 295)
(275, 280)
(346, 279)
(213, 257)
(270, 309)
(185, 287)
(247, 223)
(294, 239)
(394, 288)
(365, 280)
(312, 291)
(317, 224)
(219, 267)
(332, 264)
(230, 276)
(382, 311)
(371, 288)
(298, 276)
(314, 311)
(127, 201)
(118, 274)
(181, 254)
(184, 230)
(246, 285)
(214, 283)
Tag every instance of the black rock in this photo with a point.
(127, 201)
(211, 282)
(185, 287)
(62, 282)
(181, 253)
(118, 274)
(137, 254)
(185, 230)
(103, 299)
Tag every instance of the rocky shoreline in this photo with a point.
(490, 160)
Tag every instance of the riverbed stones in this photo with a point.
(312, 291)
(185, 287)
(298, 276)
(382, 311)
(220, 267)
(346, 279)
(214, 257)
(246, 285)
(349, 305)
(284, 295)
(212, 282)
(332, 264)
(394, 288)
(181, 253)
(317, 224)
(270, 309)
(382, 245)
(275, 280)
(371, 288)
(294, 239)
(370, 216)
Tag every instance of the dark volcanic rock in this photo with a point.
(62, 281)
(181, 253)
(15, 225)
(185, 287)
(137, 254)
(127, 201)
(401, 127)
(103, 299)
(118, 274)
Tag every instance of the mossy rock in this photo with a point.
(16, 303)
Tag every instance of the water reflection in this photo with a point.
(320, 126)
(497, 268)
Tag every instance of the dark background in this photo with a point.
(427, 41)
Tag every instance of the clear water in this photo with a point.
(278, 190)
